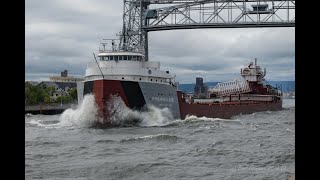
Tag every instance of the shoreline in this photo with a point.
(48, 109)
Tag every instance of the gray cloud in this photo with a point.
(62, 34)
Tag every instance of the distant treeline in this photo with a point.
(287, 86)
(39, 95)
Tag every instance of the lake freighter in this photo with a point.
(139, 83)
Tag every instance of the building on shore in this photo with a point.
(62, 84)
(65, 78)
(61, 88)
(200, 89)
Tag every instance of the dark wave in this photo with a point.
(42, 143)
(285, 158)
(43, 156)
(138, 171)
(157, 137)
(105, 141)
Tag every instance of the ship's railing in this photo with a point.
(233, 87)
(277, 90)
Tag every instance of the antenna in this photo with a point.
(104, 46)
(113, 45)
(98, 65)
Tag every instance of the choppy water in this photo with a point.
(254, 146)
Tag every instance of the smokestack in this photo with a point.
(255, 61)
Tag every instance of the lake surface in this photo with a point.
(253, 146)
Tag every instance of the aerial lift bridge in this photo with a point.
(143, 16)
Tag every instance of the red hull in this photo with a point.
(103, 91)
(225, 110)
(103, 94)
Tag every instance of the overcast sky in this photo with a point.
(62, 34)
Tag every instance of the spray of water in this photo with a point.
(121, 115)
(193, 118)
(85, 115)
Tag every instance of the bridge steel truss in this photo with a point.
(143, 16)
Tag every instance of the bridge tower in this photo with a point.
(133, 37)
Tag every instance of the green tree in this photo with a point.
(41, 93)
(47, 99)
(30, 94)
(73, 93)
(50, 90)
(58, 100)
(65, 99)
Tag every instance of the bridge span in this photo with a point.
(143, 16)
